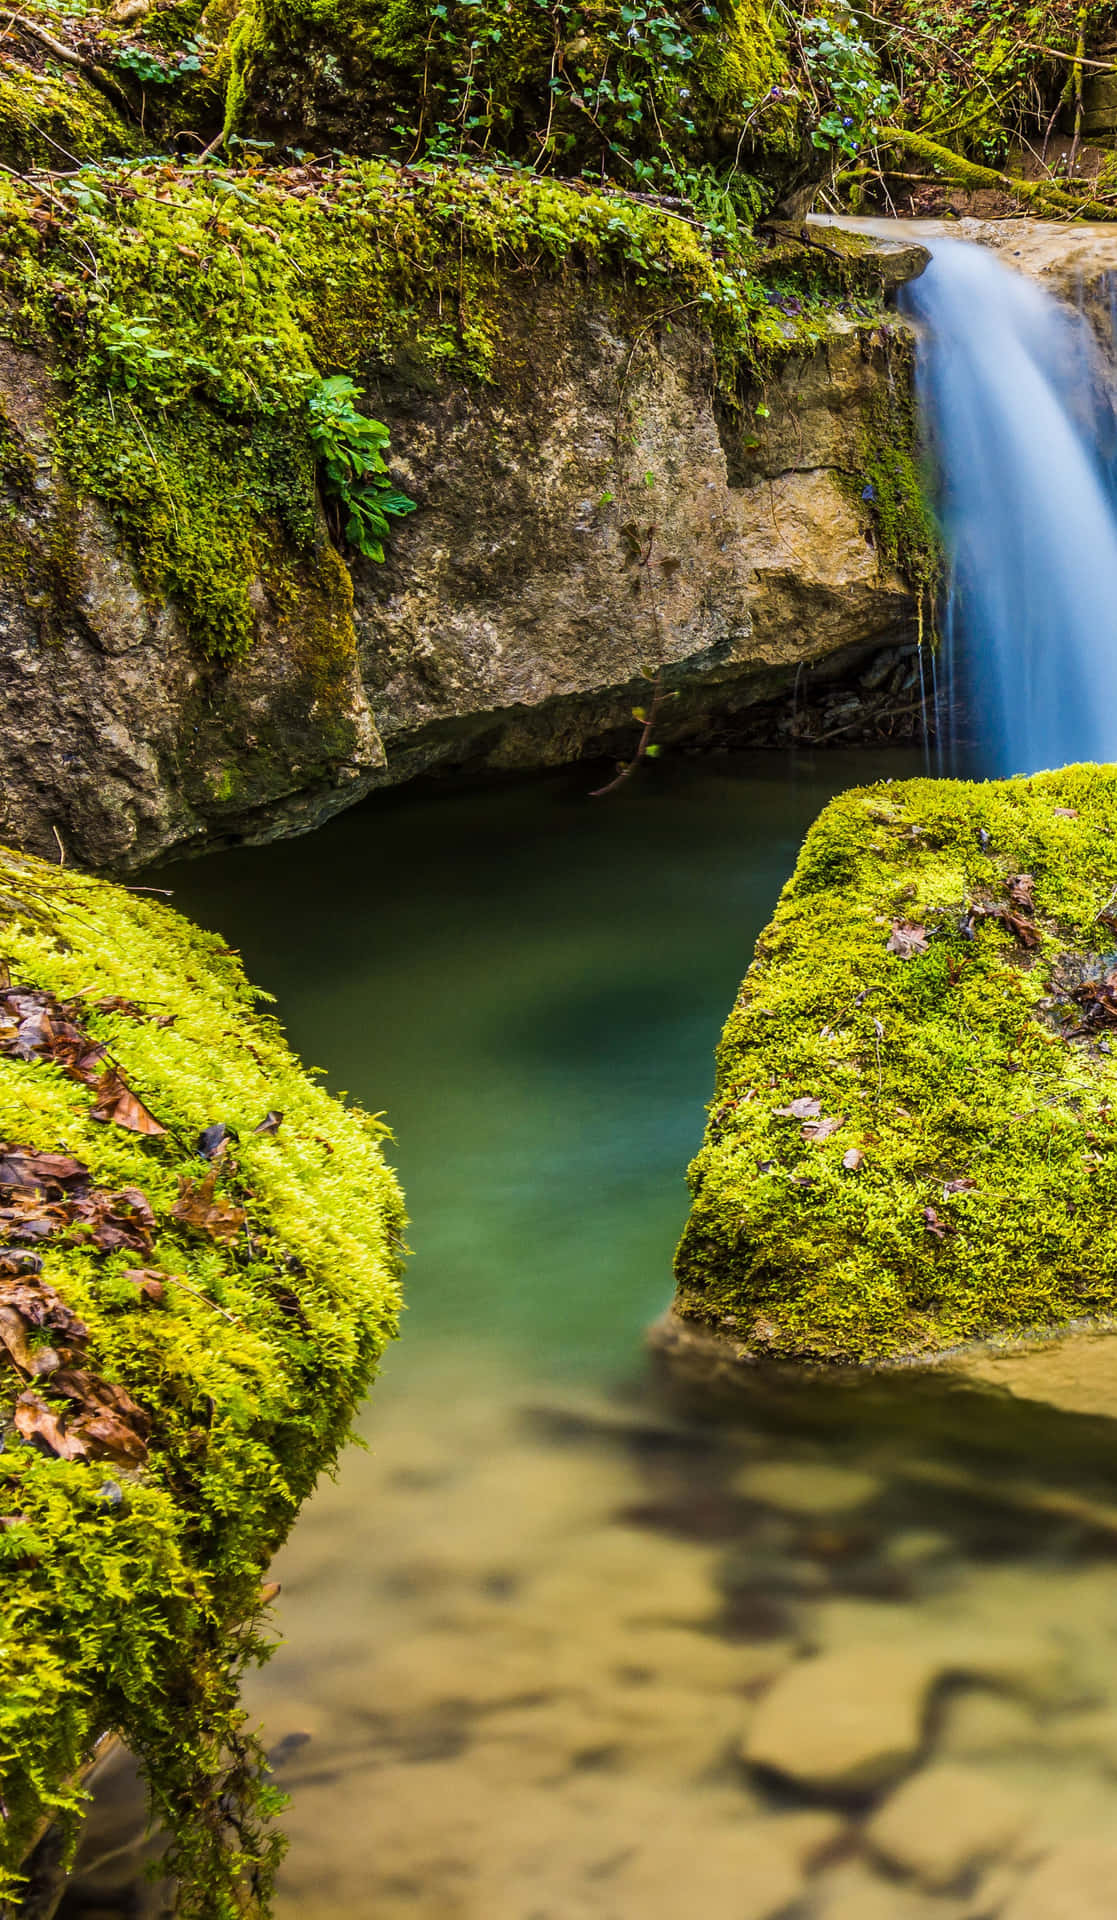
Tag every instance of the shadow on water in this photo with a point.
(541, 1643)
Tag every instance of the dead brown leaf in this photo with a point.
(816, 1131)
(198, 1209)
(1066, 813)
(804, 1108)
(149, 1282)
(906, 939)
(1024, 930)
(1021, 890)
(113, 1221)
(42, 1307)
(40, 1426)
(853, 1160)
(270, 1123)
(933, 1224)
(49, 1172)
(108, 1421)
(15, 1336)
(117, 1103)
(963, 1185)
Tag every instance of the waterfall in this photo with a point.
(1020, 426)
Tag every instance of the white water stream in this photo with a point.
(1014, 396)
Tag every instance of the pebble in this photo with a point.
(810, 1487)
(1077, 1881)
(844, 1722)
(945, 1822)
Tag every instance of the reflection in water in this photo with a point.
(558, 1648)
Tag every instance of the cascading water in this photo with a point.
(1013, 394)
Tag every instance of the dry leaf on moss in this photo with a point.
(907, 938)
(40, 1426)
(117, 1103)
(1021, 890)
(816, 1131)
(804, 1108)
(198, 1209)
(25, 1167)
(15, 1336)
(149, 1282)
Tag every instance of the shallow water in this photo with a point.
(539, 1641)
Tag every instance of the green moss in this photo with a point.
(951, 1066)
(890, 484)
(635, 92)
(138, 1615)
(48, 118)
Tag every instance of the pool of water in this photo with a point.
(541, 1643)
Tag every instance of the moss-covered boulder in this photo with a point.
(911, 1145)
(199, 1257)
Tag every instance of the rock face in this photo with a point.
(593, 516)
(515, 621)
(914, 1104)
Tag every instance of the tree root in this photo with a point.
(1041, 195)
(95, 74)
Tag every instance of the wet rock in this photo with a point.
(844, 1722)
(749, 1876)
(812, 1487)
(1077, 1881)
(976, 1722)
(854, 1892)
(945, 1822)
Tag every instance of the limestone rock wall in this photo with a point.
(596, 514)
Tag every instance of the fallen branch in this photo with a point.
(96, 75)
(1040, 194)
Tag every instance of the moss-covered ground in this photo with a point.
(914, 1133)
(154, 1451)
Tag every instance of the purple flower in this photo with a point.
(847, 122)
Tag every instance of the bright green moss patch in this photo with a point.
(48, 118)
(128, 1592)
(967, 1188)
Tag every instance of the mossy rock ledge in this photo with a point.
(199, 1268)
(912, 1144)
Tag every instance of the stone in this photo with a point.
(979, 1721)
(844, 1722)
(853, 1891)
(501, 629)
(926, 1251)
(944, 1822)
(1077, 1881)
(814, 1488)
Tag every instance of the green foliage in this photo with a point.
(643, 91)
(976, 75)
(157, 69)
(138, 1613)
(843, 66)
(351, 448)
(950, 1072)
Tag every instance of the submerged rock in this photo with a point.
(183, 1342)
(909, 1146)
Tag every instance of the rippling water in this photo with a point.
(546, 1645)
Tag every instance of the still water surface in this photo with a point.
(531, 1637)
